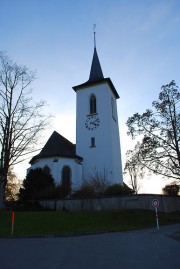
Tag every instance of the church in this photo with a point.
(97, 151)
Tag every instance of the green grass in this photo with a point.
(64, 223)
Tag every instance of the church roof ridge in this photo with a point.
(57, 146)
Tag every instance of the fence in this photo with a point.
(141, 201)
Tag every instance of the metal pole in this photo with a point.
(157, 221)
(12, 220)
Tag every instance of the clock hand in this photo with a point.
(95, 121)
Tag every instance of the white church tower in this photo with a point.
(97, 130)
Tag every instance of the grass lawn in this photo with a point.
(64, 223)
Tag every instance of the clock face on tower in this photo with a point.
(92, 122)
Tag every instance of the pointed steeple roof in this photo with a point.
(57, 146)
(96, 71)
(96, 74)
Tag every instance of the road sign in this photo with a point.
(155, 203)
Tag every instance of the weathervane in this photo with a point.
(94, 26)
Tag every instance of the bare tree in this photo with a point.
(21, 120)
(97, 180)
(159, 150)
(135, 170)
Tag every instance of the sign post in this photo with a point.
(155, 204)
(12, 221)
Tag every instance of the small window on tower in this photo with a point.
(93, 144)
(113, 108)
(92, 104)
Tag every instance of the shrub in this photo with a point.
(118, 189)
(92, 190)
(95, 186)
(171, 189)
(36, 185)
(84, 192)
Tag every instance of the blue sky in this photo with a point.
(138, 44)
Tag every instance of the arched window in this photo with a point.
(66, 182)
(66, 174)
(46, 170)
(92, 104)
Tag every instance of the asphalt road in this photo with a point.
(145, 249)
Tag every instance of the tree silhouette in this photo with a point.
(21, 120)
(160, 131)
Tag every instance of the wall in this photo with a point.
(56, 168)
(143, 201)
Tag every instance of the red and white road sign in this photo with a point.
(155, 203)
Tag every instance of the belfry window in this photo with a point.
(92, 104)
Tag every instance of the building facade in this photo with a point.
(97, 152)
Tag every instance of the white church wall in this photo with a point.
(105, 157)
(56, 164)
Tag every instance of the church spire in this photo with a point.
(96, 71)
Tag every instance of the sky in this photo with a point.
(138, 44)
